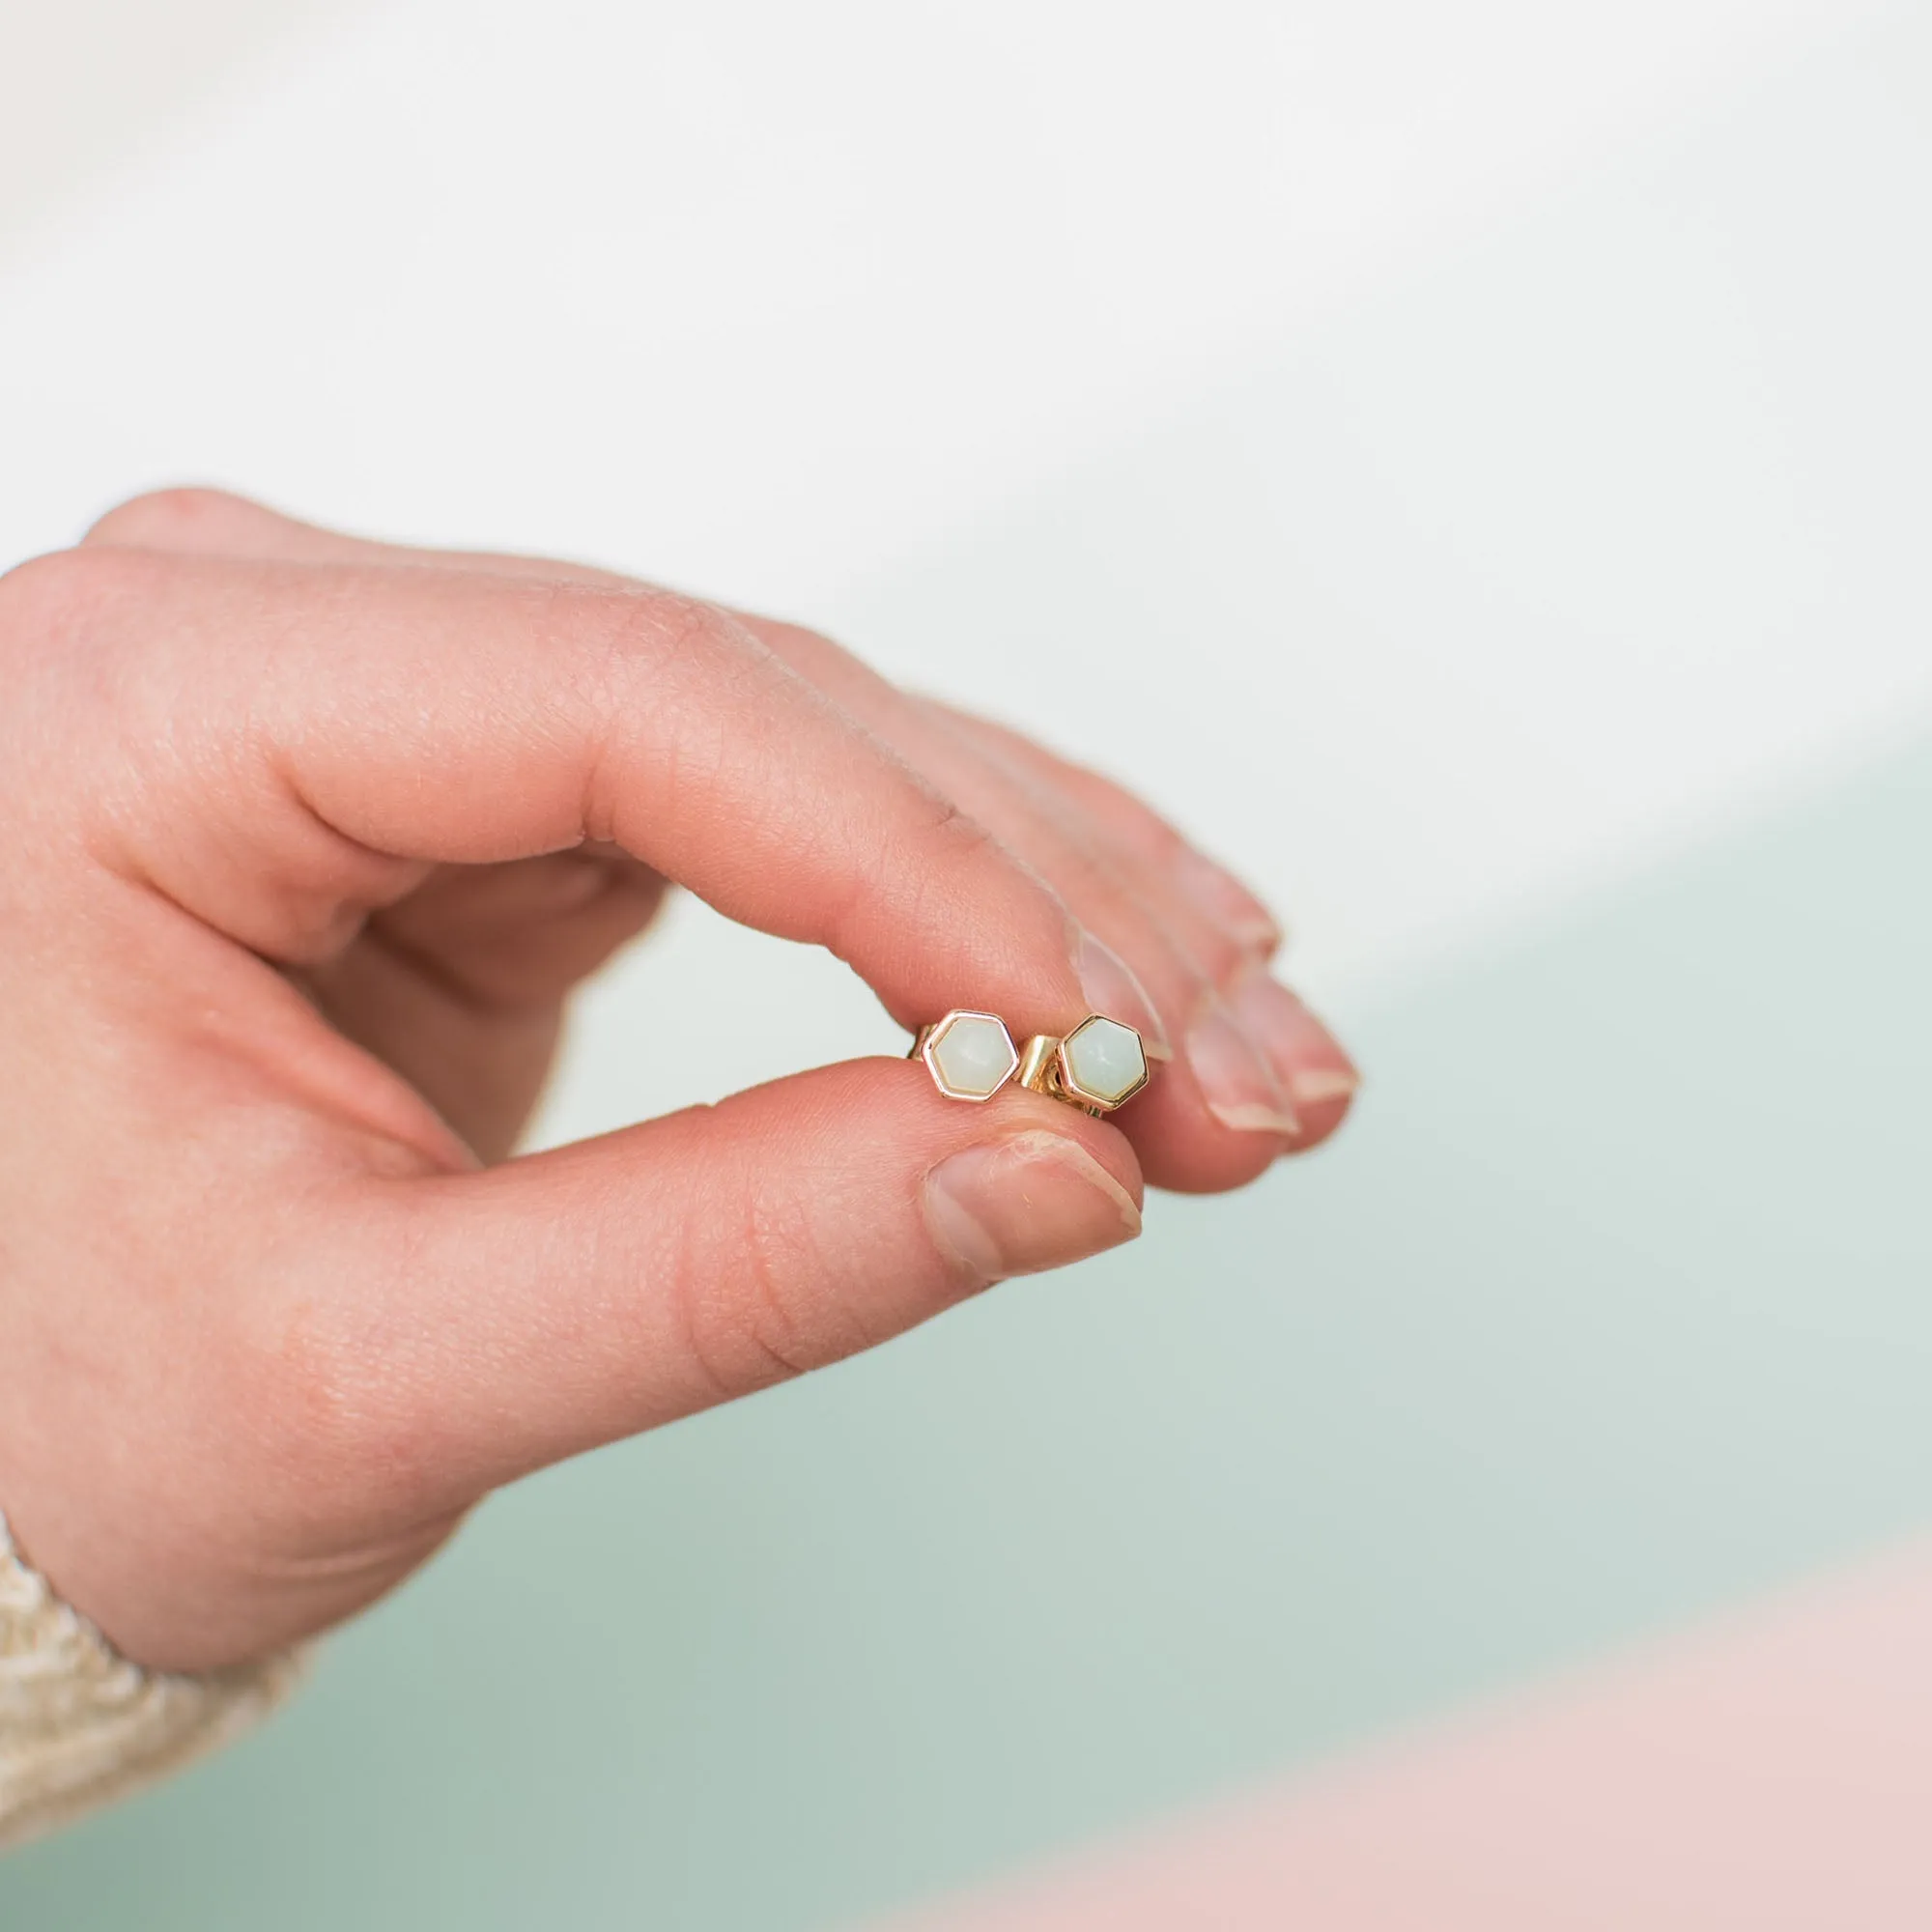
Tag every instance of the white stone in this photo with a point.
(972, 1056)
(1102, 1058)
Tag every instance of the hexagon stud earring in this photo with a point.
(970, 1056)
(1099, 1065)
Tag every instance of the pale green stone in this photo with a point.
(1104, 1061)
(974, 1055)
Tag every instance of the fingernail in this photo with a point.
(1312, 1085)
(1235, 1080)
(1228, 903)
(1033, 1201)
(1108, 985)
(1307, 1059)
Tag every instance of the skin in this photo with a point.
(311, 839)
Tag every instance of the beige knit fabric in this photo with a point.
(80, 1725)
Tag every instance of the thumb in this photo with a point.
(568, 1298)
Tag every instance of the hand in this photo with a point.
(309, 839)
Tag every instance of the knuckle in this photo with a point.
(51, 599)
(790, 1328)
(183, 516)
(619, 643)
(68, 605)
(633, 624)
(54, 622)
(965, 845)
(633, 652)
(760, 1310)
(952, 825)
(63, 635)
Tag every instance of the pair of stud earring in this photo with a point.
(1099, 1065)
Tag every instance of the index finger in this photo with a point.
(292, 743)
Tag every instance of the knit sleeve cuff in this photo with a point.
(81, 1727)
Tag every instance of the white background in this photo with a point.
(1072, 360)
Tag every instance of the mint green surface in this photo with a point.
(1616, 1301)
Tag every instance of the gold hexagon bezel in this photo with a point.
(1065, 1066)
(939, 1031)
